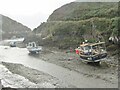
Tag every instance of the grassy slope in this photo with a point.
(76, 11)
(70, 24)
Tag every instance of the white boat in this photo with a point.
(12, 44)
(33, 48)
(16, 40)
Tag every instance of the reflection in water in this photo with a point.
(34, 55)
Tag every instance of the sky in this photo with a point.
(98, 0)
(30, 12)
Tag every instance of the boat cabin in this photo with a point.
(32, 44)
(12, 44)
(33, 48)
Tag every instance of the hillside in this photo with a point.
(76, 11)
(72, 23)
(12, 28)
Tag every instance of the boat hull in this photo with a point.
(34, 50)
(94, 58)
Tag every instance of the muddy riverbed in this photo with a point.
(55, 68)
(19, 76)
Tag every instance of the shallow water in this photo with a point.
(22, 56)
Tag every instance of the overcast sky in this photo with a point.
(30, 12)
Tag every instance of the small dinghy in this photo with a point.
(33, 48)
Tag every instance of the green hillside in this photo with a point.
(71, 24)
(76, 11)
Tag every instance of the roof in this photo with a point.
(86, 44)
(91, 44)
(98, 43)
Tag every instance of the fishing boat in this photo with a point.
(33, 48)
(92, 52)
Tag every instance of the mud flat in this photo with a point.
(55, 68)
(107, 70)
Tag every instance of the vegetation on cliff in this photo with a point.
(71, 24)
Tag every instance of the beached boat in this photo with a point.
(33, 48)
(92, 52)
(12, 44)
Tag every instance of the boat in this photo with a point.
(12, 44)
(92, 52)
(33, 48)
(18, 40)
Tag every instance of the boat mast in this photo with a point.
(96, 35)
(0, 27)
(93, 29)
